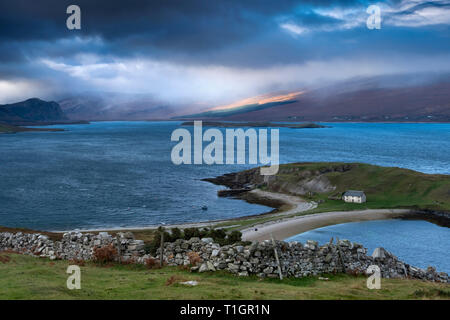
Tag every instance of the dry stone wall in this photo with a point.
(296, 259)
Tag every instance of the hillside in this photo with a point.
(385, 187)
(31, 110)
(364, 100)
(114, 106)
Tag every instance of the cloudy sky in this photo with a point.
(212, 52)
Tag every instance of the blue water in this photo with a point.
(419, 243)
(119, 174)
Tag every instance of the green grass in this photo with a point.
(26, 277)
(385, 187)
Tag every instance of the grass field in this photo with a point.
(26, 277)
(385, 187)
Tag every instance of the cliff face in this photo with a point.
(31, 110)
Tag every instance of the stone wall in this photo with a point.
(73, 246)
(296, 259)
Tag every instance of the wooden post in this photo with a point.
(404, 270)
(340, 254)
(119, 251)
(161, 251)
(276, 257)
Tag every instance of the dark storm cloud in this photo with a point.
(217, 49)
(191, 25)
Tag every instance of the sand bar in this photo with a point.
(284, 228)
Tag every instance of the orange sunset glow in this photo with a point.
(260, 100)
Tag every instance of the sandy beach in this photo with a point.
(289, 205)
(284, 228)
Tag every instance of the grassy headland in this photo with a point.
(424, 195)
(385, 187)
(26, 277)
(324, 182)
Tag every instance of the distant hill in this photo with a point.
(114, 106)
(31, 111)
(366, 100)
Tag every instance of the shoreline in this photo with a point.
(288, 227)
(284, 224)
(283, 205)
(283, 220)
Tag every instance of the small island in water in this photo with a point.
(6, 128)
(257, 125)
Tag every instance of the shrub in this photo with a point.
(105, 254)
(353, 272)
(191, 233)
(174, 279)
(184, 267)
(194, 258)
(4, 259)
(219, 236)
(153, 245)
(76, 261)
(152, 263)
(176, 234)
(234, 236)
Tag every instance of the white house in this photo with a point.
(354, 196)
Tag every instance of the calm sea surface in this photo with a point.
(119, 174)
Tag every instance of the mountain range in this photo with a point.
(115, 106)
(383, 99)
(366, 100)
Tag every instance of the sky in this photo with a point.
(212, 52)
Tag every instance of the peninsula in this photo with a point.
(6, 128)
(308, 196)
(256, 124)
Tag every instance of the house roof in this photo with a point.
(354, 193)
